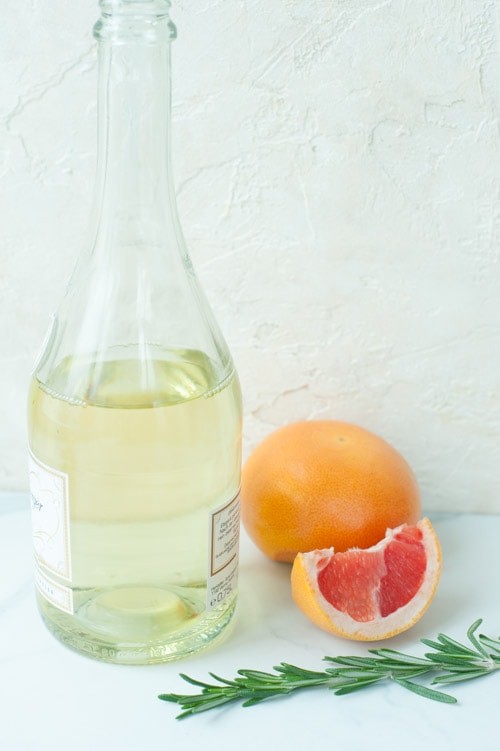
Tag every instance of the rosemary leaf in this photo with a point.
(490, 644)
(293, 670)
(257, 676)
(474, 641)
(398, 657)
(349, 688)
(444, 643)
(445, 658)
(460, 677)
(427, 693)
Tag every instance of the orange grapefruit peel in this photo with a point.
(316, 483)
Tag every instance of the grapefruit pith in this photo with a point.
(370, 594)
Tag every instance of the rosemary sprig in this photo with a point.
(449, 662)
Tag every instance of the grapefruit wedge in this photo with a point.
(370, 594)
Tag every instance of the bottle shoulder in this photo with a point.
(133, 377)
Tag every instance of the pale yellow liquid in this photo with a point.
(149, 450)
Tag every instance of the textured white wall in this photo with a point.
(338, 165)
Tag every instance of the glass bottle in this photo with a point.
(135, 405)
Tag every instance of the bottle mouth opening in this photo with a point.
(135, 7)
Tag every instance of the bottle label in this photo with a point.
(51, 536)
(223, 546)
(57, 594)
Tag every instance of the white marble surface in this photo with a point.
(53, 699)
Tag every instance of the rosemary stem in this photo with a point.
(449, 662)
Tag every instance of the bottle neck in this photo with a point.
(134, 174)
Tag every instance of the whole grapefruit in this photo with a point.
(322, 483)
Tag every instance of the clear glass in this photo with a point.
(135, 405)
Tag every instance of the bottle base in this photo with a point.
(161, 632)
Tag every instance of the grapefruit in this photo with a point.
(322, 483)
(370, 594)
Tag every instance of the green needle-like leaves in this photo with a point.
(449, 662)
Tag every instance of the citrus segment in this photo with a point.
(370, 594)
(318, 483)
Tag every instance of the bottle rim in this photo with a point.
(135, 7)
(133, 20)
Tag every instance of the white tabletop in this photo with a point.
(53, 699)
